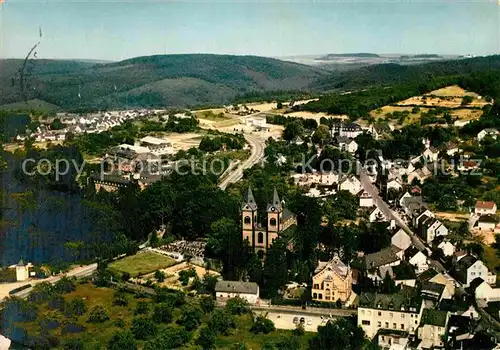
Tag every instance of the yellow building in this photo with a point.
(332, 280)
(278, 220)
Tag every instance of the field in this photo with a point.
(35, 104)
(453, 90)
(141, 264)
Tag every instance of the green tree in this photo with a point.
(120, 299)
(292, 130)
(207, 304)
(162, 313)
(122, 340)
(340, 334)
(262, 324)
(321, 134)
(168, 338)
(221, 322)
(98, 314)
(142, 308)
(190, 317)
(237, 306)
(206, 338)
(143, 328)
(160, 276)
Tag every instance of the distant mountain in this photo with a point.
(387, 74)
(331, 56)
(152, 81)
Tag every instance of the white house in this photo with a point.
(157, 146)
(401, 239)
(395, 183)
(432, 228)
(419, 261)
(431, 154)
(351, 184)
(22, 271)
(365, 199)
(487, 132)
(469, 268)
(347, 144)
(231, 289)
(483, 291)
(484, 208)
(432, 328)
(377, 215)
(447, 248)
(487, 222)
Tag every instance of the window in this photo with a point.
(394, 326)
(272, 222)
(315, 295)
(402, 315)
(365, 323)
(473, 273)
(416, 322)
(391, 315)
(402, 326)
(247, 220)
(383, 338)
(387, 325)
(380, 313)
(320, 296)
(379, 324)
(260, 237)
(327, 298)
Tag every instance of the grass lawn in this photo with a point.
(209, 115)
(141, 264)
(452, 90)
(243, 335)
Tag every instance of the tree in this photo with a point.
(190, 317)
(321, 134)
(98, 314)
(141, 308)
(221, 322)
(206, 338)
(56, 124)
(237, 306)
(160, 276)
(292, 130)
(340, 334)
(120, 299)
(143, 328)
(263, 325)
(162, 313)
(275, 272)
(168, 338)
(207, 304)
(279, 105)
(299, 330)
(76, 307)
(122, 340)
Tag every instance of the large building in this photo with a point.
(259, 236)
(157, 146)
(232, 289)
(395, 312)
(332, 281)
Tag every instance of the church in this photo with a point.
(279, 218)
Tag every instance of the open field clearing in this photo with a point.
(315, 116)
(183, 141)
(449, 102)
(466, 114)
(412, 117)
(142, 263)
(453, 90)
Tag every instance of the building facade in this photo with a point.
(332, 281)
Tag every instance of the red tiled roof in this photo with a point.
(485, 205)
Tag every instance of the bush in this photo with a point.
(73, 344)
(143, 328)
(120, 323)
(237, 306)
(125, 276)
(141, 308)
(262, 325)
(98, 314)
(122, 340)
(162, 313)
(65, 285)
(75, 307)
(168, 338)
(172, 297)
(160, 276)
(120, 299)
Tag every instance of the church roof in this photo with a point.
(250, 202)
(276, 203)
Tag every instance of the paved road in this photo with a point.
(384, 207)
(81, 271)
(257, 145)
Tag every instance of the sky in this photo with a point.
(115, 30)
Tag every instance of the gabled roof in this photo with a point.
(408, 299)
(380, 258)
(276, 203)
(434, 317)
(488, 218)
(237, 287)
(427, 275)
(485, 205)
(335, 264)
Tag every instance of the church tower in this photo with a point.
(274, 216)
(249, 218)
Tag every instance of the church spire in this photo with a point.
(250, 202)
(276, 201)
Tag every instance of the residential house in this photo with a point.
(417, 259)
(400, 311)
(157, 146)
(379, 130)
(432, 328)
(432, 291)
(451, 148)
(431, 228)
(419, 174)
(447, 282)
(365, 199)
(468, 165)
(332, 281)
(351, 130)
(231, 289)
(347, 144)
(395, 183)
(484, 292)
(487, 222)
(350, 183)
(22, 271)
(393, 339)
(390, 256)
(485, 208)
(447, 248)
(377, 215)
(469, 268)
(430, 154)
(488, 132)
(401, 240)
